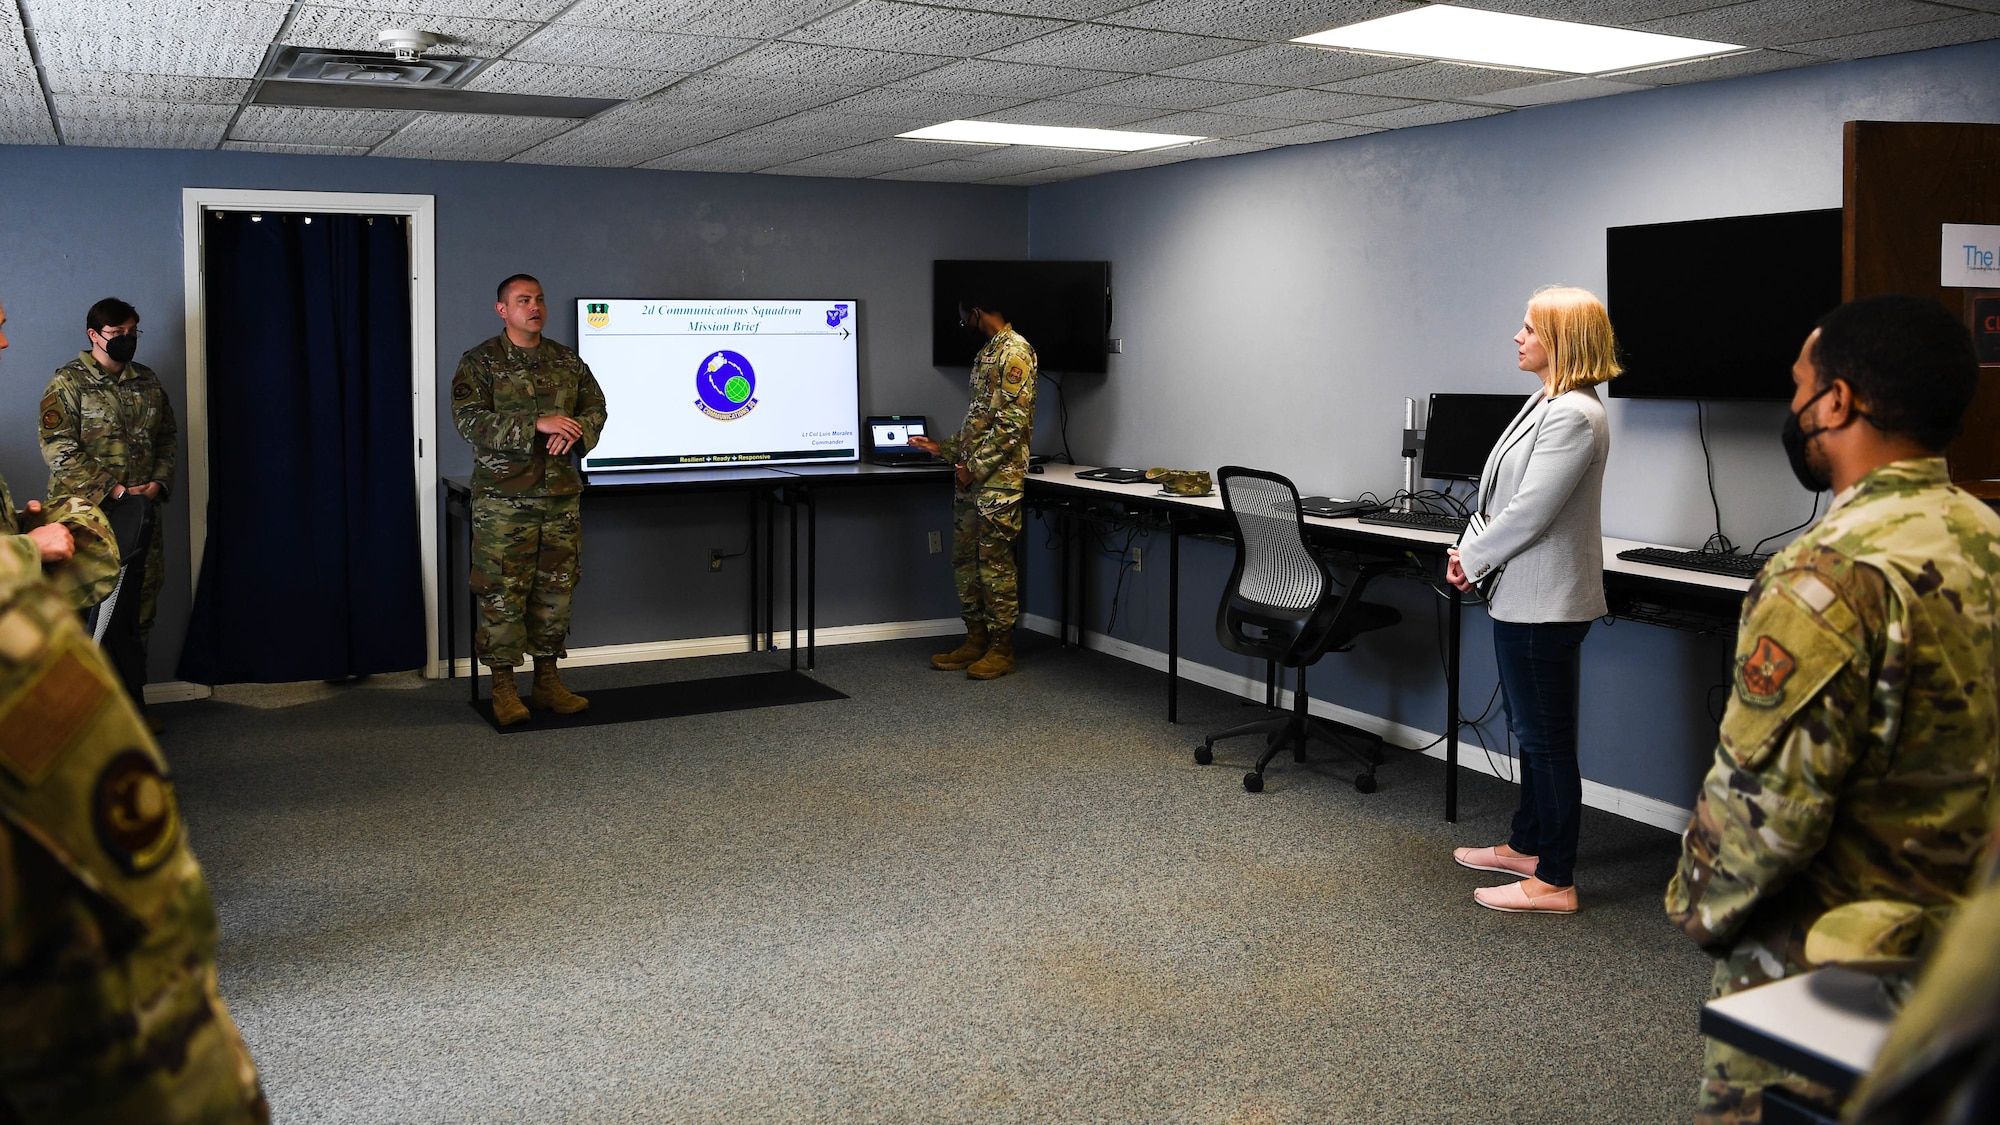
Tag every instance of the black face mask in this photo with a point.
(1795, 438)
(121, 349)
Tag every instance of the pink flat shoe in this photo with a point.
(1488, 859)
(1514, 899)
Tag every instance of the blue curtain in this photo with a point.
(312, 569)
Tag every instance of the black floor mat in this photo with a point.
(666, 701)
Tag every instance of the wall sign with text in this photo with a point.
(1969, 257)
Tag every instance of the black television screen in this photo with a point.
(1063, 309)
(1717, 308)
(1460, 431)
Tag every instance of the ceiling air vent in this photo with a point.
(404, 78)
(378, 69)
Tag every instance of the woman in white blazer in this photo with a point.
(1538, 553)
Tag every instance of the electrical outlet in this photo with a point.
(1138, 561)
(937, 542)
(715, 558)
(1115, 346)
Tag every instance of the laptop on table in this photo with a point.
(889, 440)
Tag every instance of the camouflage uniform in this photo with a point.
(108, 1004)
(91, 572)
(100, 430)
(993, 447)
(526, 527)
(1858, 751)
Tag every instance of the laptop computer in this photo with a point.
(889, 440)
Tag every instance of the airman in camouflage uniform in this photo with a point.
(526, 404)
(990, 453)
(107, 427)
(85, 569)
(1859, 747)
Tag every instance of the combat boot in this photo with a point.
(507, 708)
(999, 659)
(549, 694)
(971, 649)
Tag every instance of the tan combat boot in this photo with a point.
(507, 709)
(549, 694)
(971, 649)
(999, 659)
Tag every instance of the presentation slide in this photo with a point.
(722, 382)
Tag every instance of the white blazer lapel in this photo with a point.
(1519, 428)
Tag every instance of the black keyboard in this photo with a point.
(1421, 521)
(1707, 562)
(1113, 475)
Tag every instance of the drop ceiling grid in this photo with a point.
(823, 86)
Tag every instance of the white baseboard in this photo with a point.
(1596, 795)
(176, 691)
(716, 646)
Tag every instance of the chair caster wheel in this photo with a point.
(1204, 755)
(1253, 782)
(1365, 783)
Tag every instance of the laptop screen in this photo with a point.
(892, 435)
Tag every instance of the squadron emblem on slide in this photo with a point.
(597, 315)
(726, 384)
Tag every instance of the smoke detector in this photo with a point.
(406, 44)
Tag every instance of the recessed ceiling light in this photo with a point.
(1470, 35)
(1046, 136)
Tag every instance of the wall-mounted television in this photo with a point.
(1063, 309)
(1717, 308)
(705, 382)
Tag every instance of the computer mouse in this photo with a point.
(1034, 468)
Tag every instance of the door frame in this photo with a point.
(421, 212)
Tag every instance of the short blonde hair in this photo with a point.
(1574, 327)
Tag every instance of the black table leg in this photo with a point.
(751, 553)
(770, 573)
(1173, 621)
(792, 511)
(450, 606)
(1451, 709)
(1063, 536)
(471, 612)
(812, 574)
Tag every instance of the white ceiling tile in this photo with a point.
(809, 62)
(1944, 33)
(943, 172)
(557, 80)
(352, 29)
(1618, 13)
(137, 52)
(1152, 91)
(409, 13)
(238, 21)
(920, 29)
(870, 159)
(1207, 123)
(152, 87)
(24, 120)
(1056, 9)
(830, 122)
(746, 19)
(1308, 134)
(1314, 105)
(1253, 19)
(470, 136)
(1439, 80)
(1207, 150)
(1728, 66)
(712, 92)
(1124, 49)
(596, 145)
(1564, 90)
(1776, 23)
(935, 105)
(627, 50)
(1078, 114)
(1008, 159)
(746, 152)
(121, 123)
(300, 125)
(297, 150)
(1282, 64)
(1431, 113)
(990, 76)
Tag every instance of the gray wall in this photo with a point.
(1276, 309)
(80, 224)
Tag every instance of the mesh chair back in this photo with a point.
(1278, 569)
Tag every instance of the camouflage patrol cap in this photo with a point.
(92, 572)
(1183, 482)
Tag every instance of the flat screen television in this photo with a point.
(1717, 308)
(1460, 431)
(1063, 309)
(704, 382)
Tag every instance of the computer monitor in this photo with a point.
(1462, 430)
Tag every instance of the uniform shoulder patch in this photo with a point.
(1786, 653)
(49, 715)
(52, 411)
(1762, 672)
(132, 806)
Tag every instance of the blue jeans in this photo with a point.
(1539, 665)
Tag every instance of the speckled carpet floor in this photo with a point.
(935, 901)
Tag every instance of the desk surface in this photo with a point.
(1827, 1025)
(722, 476)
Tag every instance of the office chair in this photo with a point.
(1282, 605)
(114, 622)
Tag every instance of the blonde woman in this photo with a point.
(1538, 551)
